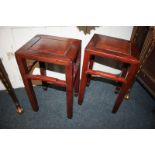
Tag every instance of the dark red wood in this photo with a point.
(76, 75)
(83, 78)
(31, 66)
(28, 84)
(77, 83)
(123, 75)
(56, 50)
(90, 67)
(106, 75)
(69, 89)
(112, 48)
(125, 87)
(43, 72)
(47, 79)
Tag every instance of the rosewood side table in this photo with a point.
(55, 50)
(115, 49)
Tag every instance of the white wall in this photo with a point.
(12, 38)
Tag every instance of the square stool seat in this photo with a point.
(58, 51)
(51, 48)
(111, 47)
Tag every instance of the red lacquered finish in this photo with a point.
(111, 48)
(55, 50)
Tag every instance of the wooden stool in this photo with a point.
(112, 48)
(55, 50)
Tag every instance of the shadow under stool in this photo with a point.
(53, 50)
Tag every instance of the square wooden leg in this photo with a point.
(69, 90)
(77, 76)
(43, 72)
(125, 87)
(28, 84)
(77, 83)
(84, 78)
(124, 73)
(91, 63)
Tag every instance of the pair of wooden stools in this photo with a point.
(67, 52)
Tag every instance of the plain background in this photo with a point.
(72, 13)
